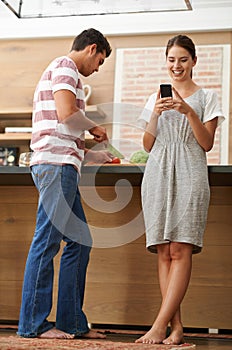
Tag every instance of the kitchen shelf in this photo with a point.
(92, 111)
(10, 114)
(15, 136)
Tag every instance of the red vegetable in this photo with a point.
(115, 160)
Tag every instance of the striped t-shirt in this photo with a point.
(53, 142)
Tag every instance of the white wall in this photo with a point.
(212, 19)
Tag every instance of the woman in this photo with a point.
(175, 190)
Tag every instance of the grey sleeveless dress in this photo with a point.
(175, 188)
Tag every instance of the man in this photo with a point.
(57, 142)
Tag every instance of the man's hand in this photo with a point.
(99, 157)
(99, 133)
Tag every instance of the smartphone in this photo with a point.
(166, 90)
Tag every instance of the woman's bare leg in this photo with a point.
(164, 263)
(175, 265)
(177, 335)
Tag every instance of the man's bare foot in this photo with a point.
(55, 333)
(153, 336)
(93, 335)
(176, 337)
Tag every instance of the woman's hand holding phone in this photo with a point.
(164, 100)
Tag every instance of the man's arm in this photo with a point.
(69, 114)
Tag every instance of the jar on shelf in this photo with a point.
(24, 159)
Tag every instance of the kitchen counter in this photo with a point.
(101, 175)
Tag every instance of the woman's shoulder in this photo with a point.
(147, 110)
(207, 96)
(152, 97)
(151, 101)
(209, 93)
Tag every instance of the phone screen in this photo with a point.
(166, 90)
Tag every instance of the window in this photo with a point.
(139, 71)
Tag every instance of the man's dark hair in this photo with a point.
(89, 37)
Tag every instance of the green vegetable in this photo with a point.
(140, 156)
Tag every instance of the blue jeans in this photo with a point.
(59, 213)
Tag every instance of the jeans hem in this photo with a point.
(34, 334)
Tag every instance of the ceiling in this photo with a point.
(54, 8)
(49, 18)
(57, 8)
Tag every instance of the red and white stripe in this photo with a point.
(53, 142)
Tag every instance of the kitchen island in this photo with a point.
(122, 283)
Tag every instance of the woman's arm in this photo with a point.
(150, 133)
(161, 104)
(204, 133)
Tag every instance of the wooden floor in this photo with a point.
(201, 343)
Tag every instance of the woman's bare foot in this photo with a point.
(93, 335)
(55, 333)
(176, 336)
(153, 336)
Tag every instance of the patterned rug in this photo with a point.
(17, 343)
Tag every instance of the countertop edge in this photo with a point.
(107, 169)
(108, 175)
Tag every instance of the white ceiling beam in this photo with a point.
(212, 19)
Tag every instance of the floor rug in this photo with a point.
(186, 335)
(17, 343)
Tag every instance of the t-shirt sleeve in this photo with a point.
(64, 76)
(145, 116)
(212, 108)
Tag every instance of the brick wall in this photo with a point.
(143, 70)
